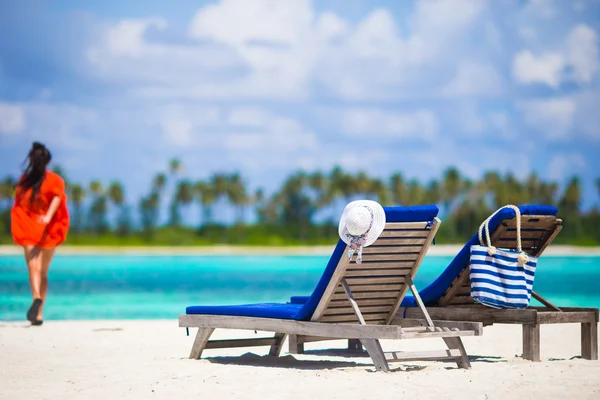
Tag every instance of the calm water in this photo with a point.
(148, 287)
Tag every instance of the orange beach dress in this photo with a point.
(26, 227)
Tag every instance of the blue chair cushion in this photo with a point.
(263, 310)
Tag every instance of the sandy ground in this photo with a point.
(148, 359)
(442, 250)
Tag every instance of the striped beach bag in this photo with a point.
(501, 278)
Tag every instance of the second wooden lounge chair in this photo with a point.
(449, 297)
(351, 301)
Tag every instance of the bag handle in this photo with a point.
(485, 225)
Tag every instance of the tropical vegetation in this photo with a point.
(304, 210)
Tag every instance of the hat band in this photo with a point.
(358, 241)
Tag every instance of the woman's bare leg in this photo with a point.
(46, 255)
(34, 265)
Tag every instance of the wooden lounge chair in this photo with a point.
(449, 297)
(351, 301)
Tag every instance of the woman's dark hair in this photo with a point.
(39, 157)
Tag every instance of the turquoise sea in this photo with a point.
(158, 287)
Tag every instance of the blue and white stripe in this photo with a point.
(498, 281)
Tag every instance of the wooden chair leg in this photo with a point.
(278, 345)
(296, 344)
(200, 342)
(456, 343)
(589, 340)
(376, 353)
(354, 345)
(531, 342)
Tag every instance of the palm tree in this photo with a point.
(116, 193)
(206, 195)
(159, 182)
(379, 190)
(451, 185)
(571, 199)
(398, 189)
(184, 195)
(7, 191)
(98, 207)
(175, 166)
(433, 192)
(77, 196)
(149, 210)
(236, 194)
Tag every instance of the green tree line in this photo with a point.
(304, 210)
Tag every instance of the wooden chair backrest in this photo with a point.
(537, 232)
(379, 283)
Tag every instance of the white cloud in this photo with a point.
(582, 53)
(12, 118)
(527, 33)
(565, 164)
(182, 125)
(546, 68)
(501, 123)
(268, 49)
(578, 53)
(473, 78)
(126, 38)
(553, 118)
(249, 116)
(421, 124)
(545, 9)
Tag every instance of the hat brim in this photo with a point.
(378, 221)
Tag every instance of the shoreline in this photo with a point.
(320, 250)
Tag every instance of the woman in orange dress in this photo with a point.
(39, 223)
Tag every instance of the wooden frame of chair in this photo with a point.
(537, 233)
(347, 310)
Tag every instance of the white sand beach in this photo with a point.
(440, 250)
(148, 359)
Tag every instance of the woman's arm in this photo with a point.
(51, 210)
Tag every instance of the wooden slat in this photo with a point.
(364, 309)
(461, 300)
(376, 288)
(369, 264)
(536, 222)
(477, 327)
(377, 272)
(454, 287)
(374, 280)
(560, 317)
(397, 257)
(476, 313)
(397, 250)
(367, 295)
(530, 234)
(363, 302)
(351, 318)
(291, 327)
(405, 225)
(402, 233)
(404, 241)
(382, 247)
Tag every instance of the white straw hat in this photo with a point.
(360, 225)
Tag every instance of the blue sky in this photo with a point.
(267, 87)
